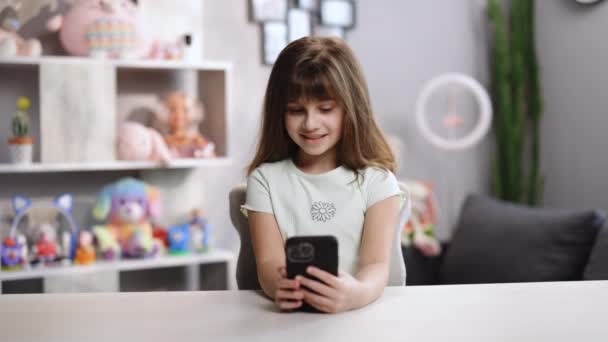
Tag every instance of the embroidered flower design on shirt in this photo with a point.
(322, 211)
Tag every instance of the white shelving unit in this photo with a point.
(77, 133)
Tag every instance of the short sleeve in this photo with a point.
(258, 194)
(381, 185)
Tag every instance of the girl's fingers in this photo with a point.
(319, 302)
(325, 277)
(290, 295)
(289, 305)
(317, 286)
(289, 284)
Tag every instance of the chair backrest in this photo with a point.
(246, 272)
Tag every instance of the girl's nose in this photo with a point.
(311, 122)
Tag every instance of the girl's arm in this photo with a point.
(269, 253)
(375, 251)
(346, 292)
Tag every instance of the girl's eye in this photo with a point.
(295, 110)
(326, 109)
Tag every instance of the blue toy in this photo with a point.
(179, 239)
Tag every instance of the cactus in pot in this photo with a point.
(21, 143)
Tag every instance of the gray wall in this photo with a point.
(573, 53)
(400, 44)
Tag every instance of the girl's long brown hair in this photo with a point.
(321, 68)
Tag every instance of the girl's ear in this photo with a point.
(154, 201)
(103, 204)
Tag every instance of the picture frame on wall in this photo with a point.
(299, 23)
(310, 5)
(274, 39)
(268, 10)
(330, 31)
(340, 13)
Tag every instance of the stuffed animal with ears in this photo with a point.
(138, 142)
(101, 28)
(11, 44)
(47, 245)
(128, 206)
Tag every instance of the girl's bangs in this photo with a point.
(308, 85)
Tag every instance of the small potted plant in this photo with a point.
(20, 145)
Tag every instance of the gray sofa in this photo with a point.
(498, 242)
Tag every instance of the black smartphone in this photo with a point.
(302, 251)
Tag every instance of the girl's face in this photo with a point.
(315, 126)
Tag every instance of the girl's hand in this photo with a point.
(333, 294)
(288, 295)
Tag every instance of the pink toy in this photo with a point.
(11, 44)
(129, 206)
(100, 28)
(170, 50)
(138, 142)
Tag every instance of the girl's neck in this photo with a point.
(316, 164)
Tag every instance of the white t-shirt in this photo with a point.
(331, 203)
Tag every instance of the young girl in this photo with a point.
(322, 167)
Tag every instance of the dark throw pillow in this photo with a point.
(498, 242)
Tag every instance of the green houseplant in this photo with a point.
(517, 102)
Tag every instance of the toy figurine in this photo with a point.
(85, 253)
(129, 206)
(199, 231)
(13, 255)
(179, 239)
(179, 111)
(46, 250)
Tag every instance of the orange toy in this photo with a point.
(85, 254)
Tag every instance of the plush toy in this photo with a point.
(100, 28)
(180, 112)
(138, 142)
(419, 230)
(11, 44)
(128, 206)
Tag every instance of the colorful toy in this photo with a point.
(21, 143)
(47, 248)
(199, 231)
(108, 247)
(128, 206)
(14, 253)
(101, 28)
(179, 239)
(11, 44)
(138, 142)
(419, 230)
(85, 253)
(182, 113)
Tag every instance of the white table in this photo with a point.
(571, 311)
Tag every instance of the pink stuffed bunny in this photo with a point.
(138, 142)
